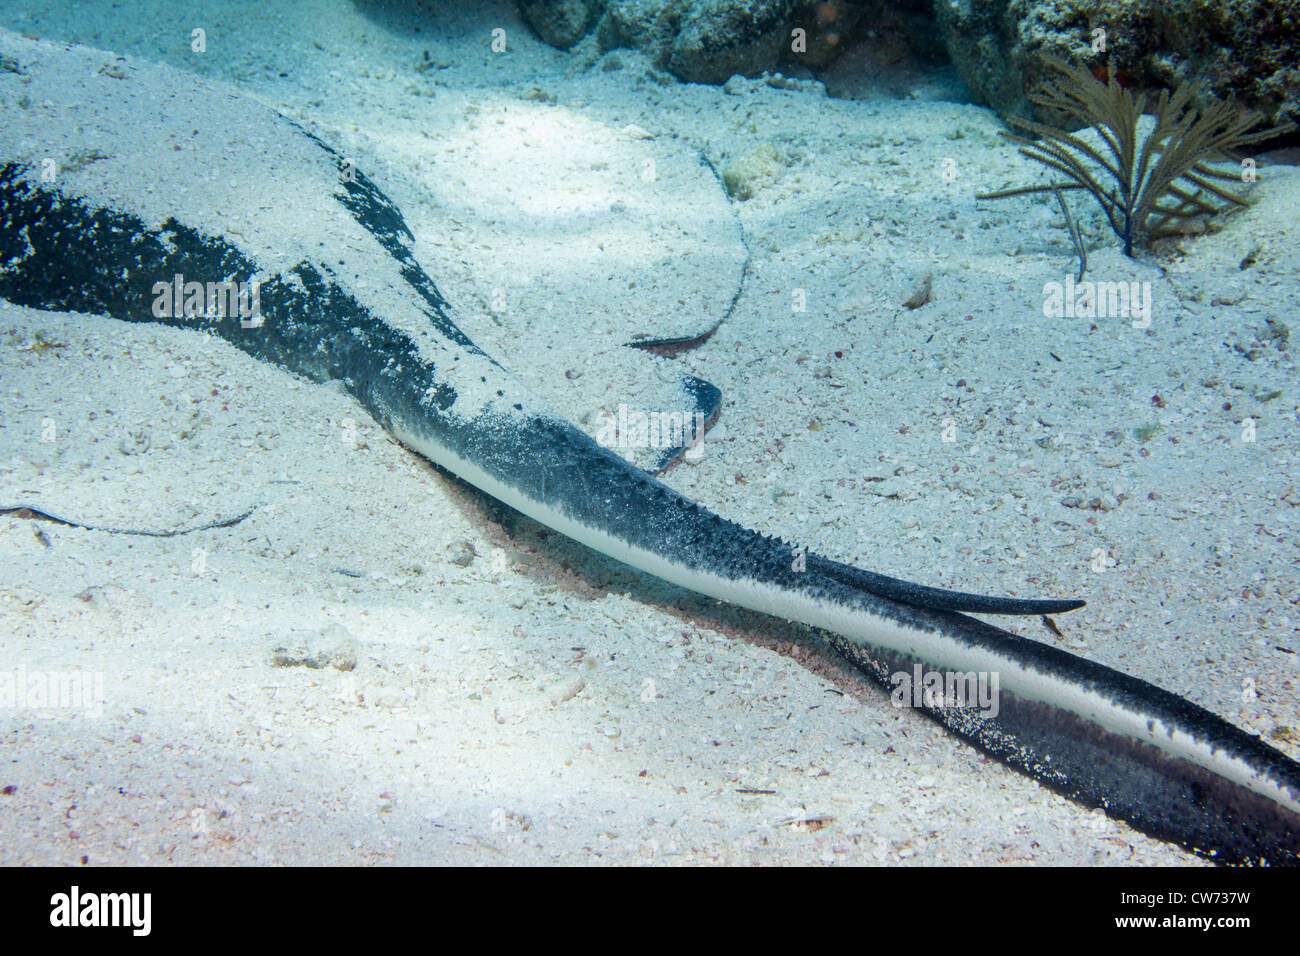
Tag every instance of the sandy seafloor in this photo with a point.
(539, 703)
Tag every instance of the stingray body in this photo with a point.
(123, 184)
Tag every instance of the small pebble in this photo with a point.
(461, 554)
(920, 292)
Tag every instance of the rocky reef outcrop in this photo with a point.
(1243, 49)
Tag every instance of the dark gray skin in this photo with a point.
(60, 253)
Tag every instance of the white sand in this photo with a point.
(541, 704)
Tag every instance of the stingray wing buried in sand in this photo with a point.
(251, 198)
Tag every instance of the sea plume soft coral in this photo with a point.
(1150, 186)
